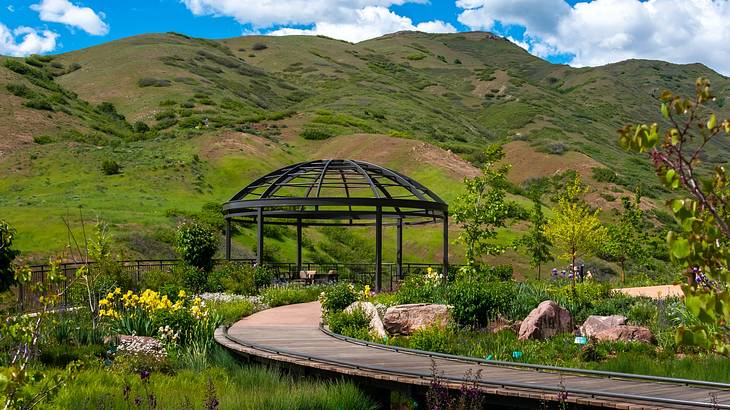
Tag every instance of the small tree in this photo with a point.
(535, 241)
(703, 245)
(482, 209)
(625, 240)
(197, 244)
(111, 167)
(7, 255)
(575, 229)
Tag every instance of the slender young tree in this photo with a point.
(535, 241)
(575, 229)
(625, 240)
(483, 208)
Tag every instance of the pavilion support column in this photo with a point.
(299, 246)
(399, 248)
(446, 245)
(259, 236)
(228, 239)
(379, 249)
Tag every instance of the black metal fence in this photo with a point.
(284, 272)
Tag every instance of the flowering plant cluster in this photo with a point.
(339, 296)
(433, 277)
(150, 313)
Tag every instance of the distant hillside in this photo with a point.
(192, 120)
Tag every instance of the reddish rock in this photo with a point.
(406, 319)
(545, 321)
(596, 324)
(627, 334)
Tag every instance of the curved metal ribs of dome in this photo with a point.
(336, 192)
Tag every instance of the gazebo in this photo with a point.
(337, 192)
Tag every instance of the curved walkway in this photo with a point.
(291, 335)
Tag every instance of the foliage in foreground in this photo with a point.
(702, 247)
(249, 387)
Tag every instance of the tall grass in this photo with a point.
(287, 295)
(248, 387)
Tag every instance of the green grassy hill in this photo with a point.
(192, 120)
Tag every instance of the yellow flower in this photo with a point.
(110, 295)
(103, 302)
(102, 312)
(118, 291)
(181, 294)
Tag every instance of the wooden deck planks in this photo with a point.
(307, 340)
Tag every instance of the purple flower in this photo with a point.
(144, 375)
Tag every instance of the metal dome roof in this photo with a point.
(336, 189)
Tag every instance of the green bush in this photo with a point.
(7, 255)
(316, 134)
(166, 283)
(194, 278)
(39, 103)
(141, 127)
(110, 167)
(259, 46)
(232, 311)
(431, 339)
(422, 289)
(262, 277)
(19, 90)
(604, 175)
(475, 302)
(354, 324)
(153, 82)
(42, 139)
(61, 355)
(232, 278)
(286, 295)
(339, 296)
(196, 244)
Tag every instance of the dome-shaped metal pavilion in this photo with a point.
(337, 192)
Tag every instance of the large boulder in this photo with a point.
(596, 324)
(545, 321)
(376, 325)
(406, 319)
(627, 334)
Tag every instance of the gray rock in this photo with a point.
(627, 334)
(376, 324)
(406, 319)
(545, 321)
(596, 324)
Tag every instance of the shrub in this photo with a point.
(110, 167)
(20, 90)
(416, 56)
(73, 67)
(196, 244)
(475, 302)
(431, 339)
(604, 175)
(167, 283)
(166, 123)
(62, 355)
(232, 278)
(195, 279)
(141, 127)
(262, 277)
(337, 297)
(354, 324)
(42, 139)
(259, 46)
(39, 103)
(110, 111)
(286, 295)
(316, 134)
(428, 288)
(153, 82)
(7, 255)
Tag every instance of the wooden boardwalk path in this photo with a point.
(290, 336)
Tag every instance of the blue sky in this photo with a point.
(578, 33)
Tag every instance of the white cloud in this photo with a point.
(11, 8)
(351, 20)
(23, 41)
(65, 12)
(369, 22)
(606, 31)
